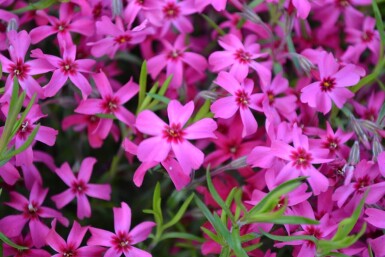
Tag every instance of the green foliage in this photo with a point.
(10, 243)
(42, 4)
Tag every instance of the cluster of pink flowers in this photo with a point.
(272, 90)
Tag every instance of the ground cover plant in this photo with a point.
(192, 128)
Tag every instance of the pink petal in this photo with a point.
(76, 235)
(83, 207)
(263, 72)
(148, 123)
(55, 84)
(83, 26)
(85, 65)
(90, 107)
(196, 61)
(63, 198)
(188, 156)
(40, 33)
(281, 150)
(153, 149)
(55, 241)
(17, 201)
(105, 46)
(141, 232)
(12, 225)
(347, 76)
(318, 182)
(103, 84)
(106, 27)
(86, 168)
(136, 252)
(46, 135)
(122, 218)
(224, 107)
(250, 125)
(141, 171)
(103, 128)
(99, 191)
(66, 174)
(125, 116)
(100, 237)
(9, 174)
(220, 60)
(177, 175)
(156, 64)
(183, 25)
(375, 217)
(39, 66)
(203, 128)
(126, 92)
(340, 96)
(82, 84)
(327, 66)
(39, 232)
(228, 82)
(179, 114)
(342, 194)
(38, 194)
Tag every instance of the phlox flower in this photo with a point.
(67, 22)
(66, 68)
(241, 99)
(111, 103)
(5, 16)
(116, 36)
(80, 188)
(303, 8)
(27, 242)
(32, 210)
(122, 241)
(173, 136)
(174, 58)
(72, 246)
(331, 84)
(239, 57)
(24, 70)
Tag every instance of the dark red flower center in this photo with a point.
(122, 39)
(313, 231)
(301, 159)
(367, 36)
(242, 56)
(97, 10)
(242, 98)
(331, 143)
(69, 252)
(271, 97)
(79, 187)
(362, 183)
(171, 10)
(173, 133)
(93, 119)
(327, 84)
(343, 3)
(31, 210)
(122, 241)
(61, 26)
(175, 55)
(68, 67)
(19, 69)
(110, 104)
(25, 129)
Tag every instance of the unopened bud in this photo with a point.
(249, 14)
(370, 126)
(289, 23)
(208, 95)
(354, 155)
(12, 25)
(348, 172)
(117, 8)
(358, 129)
(376, 147)
(238, 163)
(306, 65)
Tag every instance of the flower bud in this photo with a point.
(12, 25)
(354, 155)
(358, 129)
(117, 8)
(208, 95)
(376, 147)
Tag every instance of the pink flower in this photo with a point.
(300, 159)
(27, 242)
(45, 134)
(123, 240)
(331, 84)
(375, 217)
(241, 99)
(239, 57)
(9, 173)
(111, 103)
(116, 36)
(173, 136)
(17, 66)
(68, 22)
(66, 68)
(80, 188)
(71, 247)
(32, 210)
(174, 58)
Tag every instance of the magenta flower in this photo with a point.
(27, 242)
(173, 136)
(68, 22)
(174, 58)
(375, 217)
(71, 247)
(66, 68)
(80, 188)
(241, 99)
(300, 159)
(331, 84)
(17, 66)
(9, 173)
(123, 240)
(32, 210)
(116, 36)
(239, 57)
(45, 134)
(111, 103)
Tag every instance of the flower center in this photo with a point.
(122, 241)
(175, 55)
(97, 11)
(331, 143)
(68, 67)
(301, 159)
(343, 3)
(25, 129)
(69, 254)
(362, 183)
(171, 10)
(123, 39)
(19, 69)
(242, 56)
(79, 187)
(173, 133)
(61, 26)
(271, 97)
(367, 36)
(242, 98)
(110, 104)
(31, 211)
(313, 231)
(327, 84)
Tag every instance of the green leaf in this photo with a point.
(212, 235)
(225, 252)
(161, 92)
(293, 220)
(159, 98)
(217, 197)
(10, 243)
(274, 195)
(24, 115)
(180, 213)
(156, 205)
(228, 202)
(105, 116)
(203, 111)
(214, 25)
(146, 102)
(289, 238)
(236, 238)
(335, 254)
(142, 83)
(43, 4)
(180, 235)
(252, 247)
(380, 27)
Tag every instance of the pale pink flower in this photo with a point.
(122, 241)
(80, 188)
